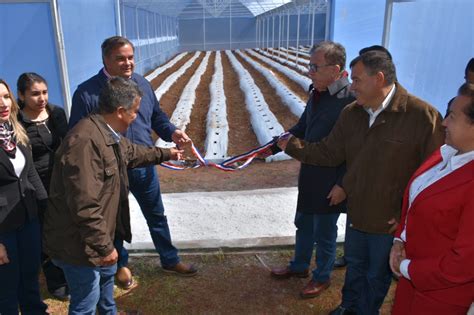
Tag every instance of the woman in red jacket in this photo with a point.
(433, 250)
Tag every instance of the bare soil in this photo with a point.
(196, 128)
(156, 82)
(169, 100)
(292, 85)
(227, 283)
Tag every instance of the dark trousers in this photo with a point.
(20, 286)
(318, 230)
(145, 186)
(368, 274)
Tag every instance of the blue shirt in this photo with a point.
(150, 116)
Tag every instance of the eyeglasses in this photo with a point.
(314, 67)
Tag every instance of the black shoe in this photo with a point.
(342, 311)
(61, 293)
(340, 262)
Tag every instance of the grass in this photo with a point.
(228, 283)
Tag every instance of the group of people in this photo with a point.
(403, 175)
(369, 148)
(64, 186)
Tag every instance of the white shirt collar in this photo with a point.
(385, 102)
(115, 135)
(453, 161)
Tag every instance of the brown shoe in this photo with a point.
(124, 278)
(181, 269)
(314, 288)
(128, 312)
(286, 272)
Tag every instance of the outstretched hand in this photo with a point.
(176, 154)
(283, 142)
(181, 138)
(3, 255)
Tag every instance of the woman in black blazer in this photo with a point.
(21, 193)
(46, 126)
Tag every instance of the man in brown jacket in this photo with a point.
(88, 204)
(383, 137)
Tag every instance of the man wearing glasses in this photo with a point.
(320, 195)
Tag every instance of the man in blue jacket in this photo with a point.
(118, 59)
(320, 192)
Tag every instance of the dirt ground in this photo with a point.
(227, 283)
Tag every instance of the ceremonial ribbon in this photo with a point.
(228, 164)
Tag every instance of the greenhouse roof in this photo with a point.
(225, 8)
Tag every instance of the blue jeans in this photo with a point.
(145, 186)
(322, 230)
(20, 286)
(368, 274)
(90, 288)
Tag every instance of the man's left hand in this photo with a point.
(336, 195)
(394, 225)
(180, 138)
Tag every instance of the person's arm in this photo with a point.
(80, 108)
(327, 152)
(82, 171)
(454, 267)
(160, 122)
(35, 180)
(138, 155)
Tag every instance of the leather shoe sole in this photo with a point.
(182, 270)
(313, 289)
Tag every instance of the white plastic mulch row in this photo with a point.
(283, 61)
(165, 86)
(300, 79)
(264, 122)
(301, 48)
(217, 139)
(286, 55)
(182, 113)
(166, 66)
(290, 99)
(300, 52)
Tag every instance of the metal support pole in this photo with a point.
(138, 35)
(288, 35)
(230, 26)
(312, 26)
(328, 20)
(256, 31)
(204, 28)
(118, 18)
(387, 23)
(273, 32)
(279, 35)
(298, 36)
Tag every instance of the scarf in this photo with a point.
(7, 139)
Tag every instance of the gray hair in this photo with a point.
(118, 92)
(113, 42)
(334, 53)
(377, 61)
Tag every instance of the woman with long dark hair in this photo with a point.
(21, 193)
(46, 126)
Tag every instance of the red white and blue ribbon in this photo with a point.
(228, 165)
